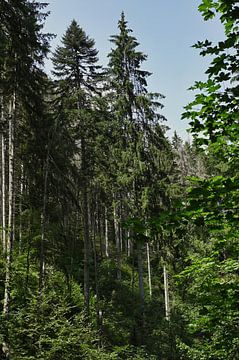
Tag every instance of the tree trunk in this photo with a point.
(10, 237)
(149, 270)
(166, 293)
(140, 273)
(3, 195)
(141, 290)
(117, 243)
(20, 210)
(85, 216)
(99, 313)
(43, 228)
(128, 244)
(86, 252)
(106, 234)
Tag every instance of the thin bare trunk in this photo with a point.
(106, 234)
(86, 252)
(117, 243)
(98, 310)
(149, 269)
(99, 226)
(120, 231)
(141, 289)
(85, 215)
(20, 210)
(43, 228)
(28, 251)
(3, 196)
(166, 293)
(129, 245)
(10, 237)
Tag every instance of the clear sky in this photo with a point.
(165, 29)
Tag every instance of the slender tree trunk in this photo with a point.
(3, 181)
(86, 252)
(120, 232)
(3, 195)
(166, 293)
(20, 210)
(149, 270)
(85, 216)
(106, 234)
(140, 273)
(43, 229)
(98, 310)
(117, 243)
(28, 251)
(129, 245)
(99, 226)
(141, 290)
(10, 237)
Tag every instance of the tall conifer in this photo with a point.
(75, 71)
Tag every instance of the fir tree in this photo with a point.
(75, 70)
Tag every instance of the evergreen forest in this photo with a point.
(117, 242)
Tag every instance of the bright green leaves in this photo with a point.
(214, 112)
(206, 9)
(214, 202)
(228, 11)
(212, 307)
(212, 276)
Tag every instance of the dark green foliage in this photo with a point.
(107, 213)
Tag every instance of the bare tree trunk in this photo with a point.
(117, 242)
(3, 195)
(166, 293)
(99, 226)
(28, 250)
(86, 252)
(20, 210)
(10, 237)
(141, 289)
(43, 229)
(149, 270)
(85, 216)
(129, 244)
(106, 234)
(99, 313)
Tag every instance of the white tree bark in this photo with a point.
(10, 233)
(166, 293)
(10, 237)
(3, 195)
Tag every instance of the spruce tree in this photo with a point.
(139, 142)
(75, 71)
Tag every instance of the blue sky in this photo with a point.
(165, 29)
